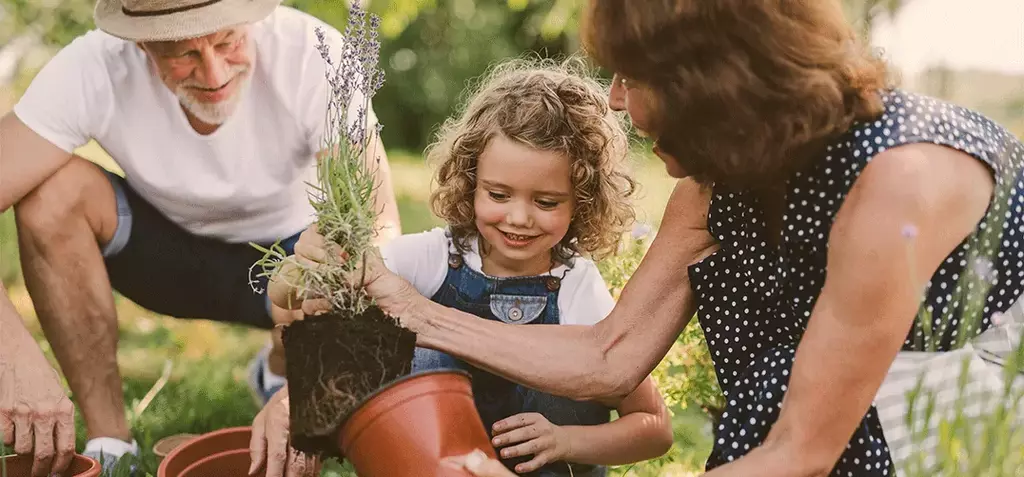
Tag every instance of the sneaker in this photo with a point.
(111, 463)
(259, 388)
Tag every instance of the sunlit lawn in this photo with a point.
(207, 387)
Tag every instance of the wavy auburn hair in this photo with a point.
(548, 106)
(744, 92)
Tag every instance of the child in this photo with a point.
(530, 177)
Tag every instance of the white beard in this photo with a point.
(219, 112)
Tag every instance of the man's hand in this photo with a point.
(269, 443)
(535, 436)
(36, 416)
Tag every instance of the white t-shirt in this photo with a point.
(422, 259)
(245, 182)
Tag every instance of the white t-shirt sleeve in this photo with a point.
(315, 90)
(70, 100)
(584, 298)
(420, 258)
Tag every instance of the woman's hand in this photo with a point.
(393, 294)
(478, 464)
(534, 435)
(269, 442)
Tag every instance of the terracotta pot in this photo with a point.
(406, 428)
(223, 452)
(81, 466)
(165, 446)
(227, 463)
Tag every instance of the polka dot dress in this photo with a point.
(755, 298)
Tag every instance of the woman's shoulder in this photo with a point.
(910, 122)
(912, 118)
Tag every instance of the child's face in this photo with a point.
(524, 203)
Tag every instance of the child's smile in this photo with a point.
(523, 204)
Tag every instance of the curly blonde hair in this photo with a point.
(549, 106)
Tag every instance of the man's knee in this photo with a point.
(78, 191)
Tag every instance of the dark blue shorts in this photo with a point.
(168, 270)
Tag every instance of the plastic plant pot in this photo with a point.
(81, 466)
(406, 428)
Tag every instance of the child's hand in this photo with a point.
(536, 436)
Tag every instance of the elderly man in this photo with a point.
(215, 111)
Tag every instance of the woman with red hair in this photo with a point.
(819, 210)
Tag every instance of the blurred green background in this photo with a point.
(430, 50)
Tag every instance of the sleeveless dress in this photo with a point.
(755, 299)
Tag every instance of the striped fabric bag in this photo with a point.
(911, 431)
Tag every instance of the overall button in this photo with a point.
(552, 283)
(515, 314)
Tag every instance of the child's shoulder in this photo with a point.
(584, 298)
(435, 237)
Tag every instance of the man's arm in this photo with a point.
(26, 160)
(602, 362)
(876, 278)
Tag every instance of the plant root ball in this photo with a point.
(334, 361)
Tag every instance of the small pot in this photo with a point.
(228, 463)
(407, 427)
(223, 452)
(81, 466)
(204, 446)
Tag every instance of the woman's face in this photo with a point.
(635, 100)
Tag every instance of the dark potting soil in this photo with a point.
(334, 361)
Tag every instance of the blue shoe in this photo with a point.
(261, 392)
(112, 465)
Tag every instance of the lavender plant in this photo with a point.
(337, 360)
(343, 197)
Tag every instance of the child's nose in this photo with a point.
(518, 216)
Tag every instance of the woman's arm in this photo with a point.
(605, 361)
(876, 276)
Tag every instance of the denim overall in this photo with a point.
(517, 301)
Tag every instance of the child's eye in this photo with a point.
(547, 204)
(497, 195)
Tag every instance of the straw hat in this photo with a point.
(168, 20)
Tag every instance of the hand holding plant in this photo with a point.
(391, 292)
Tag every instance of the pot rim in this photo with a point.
(408, 377)
(94, 465)
(171, 456)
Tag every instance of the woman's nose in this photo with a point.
(617, 94)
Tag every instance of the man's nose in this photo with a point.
(214, 70)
